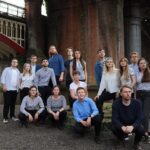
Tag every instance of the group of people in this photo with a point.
(41, 98)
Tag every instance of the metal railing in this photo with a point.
(11, 10)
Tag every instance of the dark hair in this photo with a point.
(33, 55)
(76, 72)
(81, 60)
(125, 86)
(100, 49)
(33, 86)
(44, 59)
(146, 74)
(80, 88)
(54, 88)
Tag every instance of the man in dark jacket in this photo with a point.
(127, 117)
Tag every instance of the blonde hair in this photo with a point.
(24, 71)
(105, 66)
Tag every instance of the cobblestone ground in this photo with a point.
(44, 137)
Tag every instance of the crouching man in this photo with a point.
(86, 114)
(127, 117)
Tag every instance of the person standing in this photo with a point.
(86, 114)
(26, 81)
(78, 64)
(98, 68)
(42, 79)
(134, 57)
(34, 66)
(10, 84)
(127, 117)
(56, 62)
(67, 66)
(143, 92)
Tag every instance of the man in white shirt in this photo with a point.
(10, 83)
(74, 85)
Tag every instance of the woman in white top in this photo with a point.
(74, 85)
(26, 81)
(109, 85)
(143, 92)
(78, 64)
(127, 76)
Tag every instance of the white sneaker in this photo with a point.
(14, 119)
(5, 121)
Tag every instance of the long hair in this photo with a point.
(126, 68)
(81, 61)
(105, 66)
(146, 73)
(24, 72)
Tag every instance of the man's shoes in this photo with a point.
(14, 119)
(5, 121)
(97, 140)
(137, 146)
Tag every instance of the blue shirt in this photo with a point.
(98, 70)
(84, 109)
(57, 63)
(135, 68)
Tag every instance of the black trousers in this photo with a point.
(23, 118)
(144, 96)
(23, 92)
(45, 92)
(95, 121)
(139, 132)
(9, 103)
(71, 101)
(104, 97)
(62, 118)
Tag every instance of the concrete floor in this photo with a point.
(44, 137)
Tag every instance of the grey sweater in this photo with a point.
(56, 105)
(31, 104)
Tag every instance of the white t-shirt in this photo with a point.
(14, 78)
(74, 86)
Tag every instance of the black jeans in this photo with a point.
(9, 103)
(62, 118)
(95, 121)
(144, 96)
(23, 118)
(139, 132)
(23, 92)
(45, 92)
(104, 97)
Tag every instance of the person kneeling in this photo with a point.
(56, 107)
(86, 114)
(127, 117)
(32, 108)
